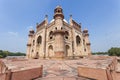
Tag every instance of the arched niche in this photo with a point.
(50, 51)
(51, 35)
(78, 40)
(39, 40)
(66, 34)
(67, 49)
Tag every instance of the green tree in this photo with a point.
(6, 53)
(1, 56)
(100, 53)
(114, 51)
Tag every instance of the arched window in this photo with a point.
(66, 34)
(58, 11)
(78, 40)
(32, 50)
(51, 35)
(39, 40)
(61, 28)
(55, 28)
(51, 47)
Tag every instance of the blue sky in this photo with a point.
(100, 17)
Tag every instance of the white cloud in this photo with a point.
(13, 33)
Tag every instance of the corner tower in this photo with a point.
(58, 17)
(59, 33)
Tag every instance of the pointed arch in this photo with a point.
(39, 40)
(78, 40)
(66, 34)
(36, 55)
(50, 51)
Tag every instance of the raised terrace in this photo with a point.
(62, 69)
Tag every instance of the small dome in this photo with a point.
(52, 20)
(65, 20)
(85, 30)
(31, 31)
(58, 6)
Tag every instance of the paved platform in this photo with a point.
(59, 69)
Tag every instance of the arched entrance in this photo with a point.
(50, 51)
(38, 46)
(36, 56)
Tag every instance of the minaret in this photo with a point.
(59, 46)
(46, 20)
(86, 35)
(70, 20)
(30, 36)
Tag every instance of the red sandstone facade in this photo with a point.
(58, 39)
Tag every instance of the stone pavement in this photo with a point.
(59, 69)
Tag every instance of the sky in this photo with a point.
(100, 17)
